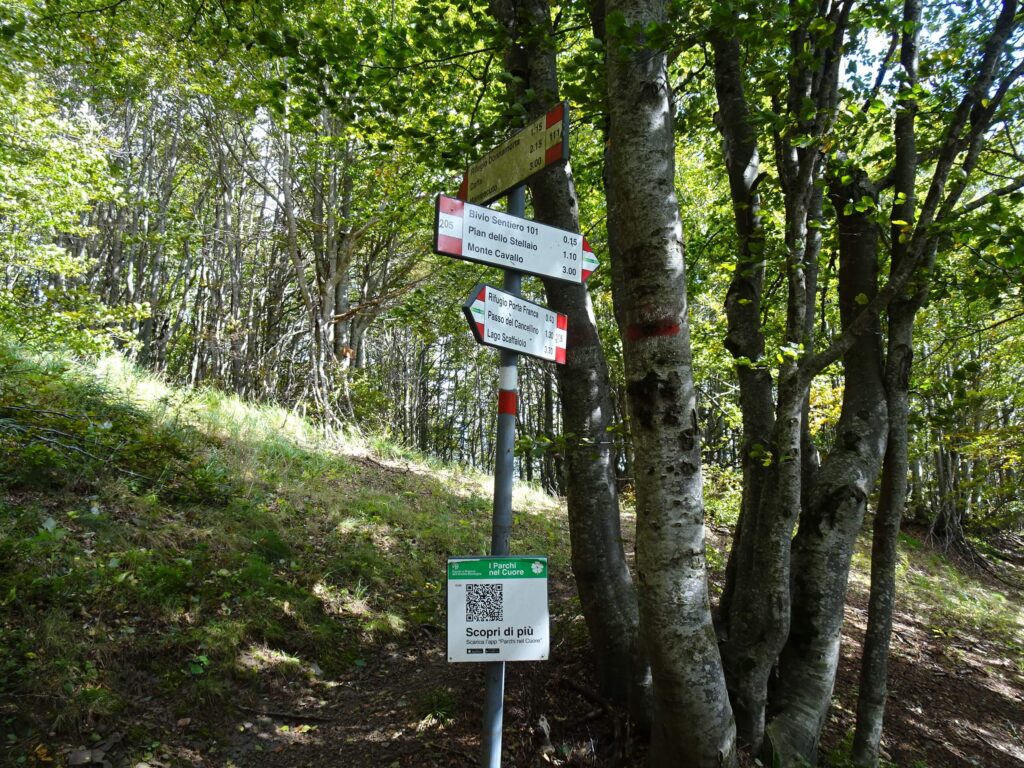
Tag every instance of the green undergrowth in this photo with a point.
(962, 606)
(952, 602)
(192, 547)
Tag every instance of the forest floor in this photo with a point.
(277, 601)
(956, 699)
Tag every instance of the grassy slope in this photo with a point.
(173, 551)
(184, 545)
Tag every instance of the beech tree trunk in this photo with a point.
(823, 546)
(607, 595)
(745, 339)
(693, 722)
(874, 666)
(779, 458)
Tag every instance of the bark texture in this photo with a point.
(607, 594)
(823, 546)
(745, 339)
(780, 459)
(874, 667)
(693, 723)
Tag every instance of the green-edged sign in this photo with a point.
(498, 609)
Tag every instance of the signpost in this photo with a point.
(498, 606)
(474, 233)
(503, 320)
(538, 145)
(498, 609)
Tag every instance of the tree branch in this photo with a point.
(80, 12)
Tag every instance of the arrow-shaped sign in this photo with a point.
(538, 145)
(500, 319)
(474, 233)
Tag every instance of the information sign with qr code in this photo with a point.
(498, 609)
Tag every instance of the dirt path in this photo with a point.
(954, 701)
(954, 698)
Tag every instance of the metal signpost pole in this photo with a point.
(465, 229)
(501, 525)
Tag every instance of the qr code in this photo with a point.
(484, 602)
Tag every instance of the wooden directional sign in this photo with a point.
(541, 143)
(475, 233)
(499, 319)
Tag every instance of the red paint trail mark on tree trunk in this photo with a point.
(667, 326)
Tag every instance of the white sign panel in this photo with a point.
(538, 145)
(498, 609)
(474, 233)
(499, 319)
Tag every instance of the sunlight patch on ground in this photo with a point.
(262, 658)
(141, 387)
(999, 741)
(380, 534)
(341, 601)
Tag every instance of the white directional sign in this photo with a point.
(499, 319)
(541, 143)
(498, 609)
(474, 233)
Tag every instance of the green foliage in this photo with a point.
(723, 491)
(436, 706)
(53, 169)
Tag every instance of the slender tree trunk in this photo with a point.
(548, 457)
(875, 659)
(744, 340)
(693, 723)
(607, 594)
(823, 546)
(316, 345)
(345, 246)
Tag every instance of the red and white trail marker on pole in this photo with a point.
(503, 320)
(474, 233)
